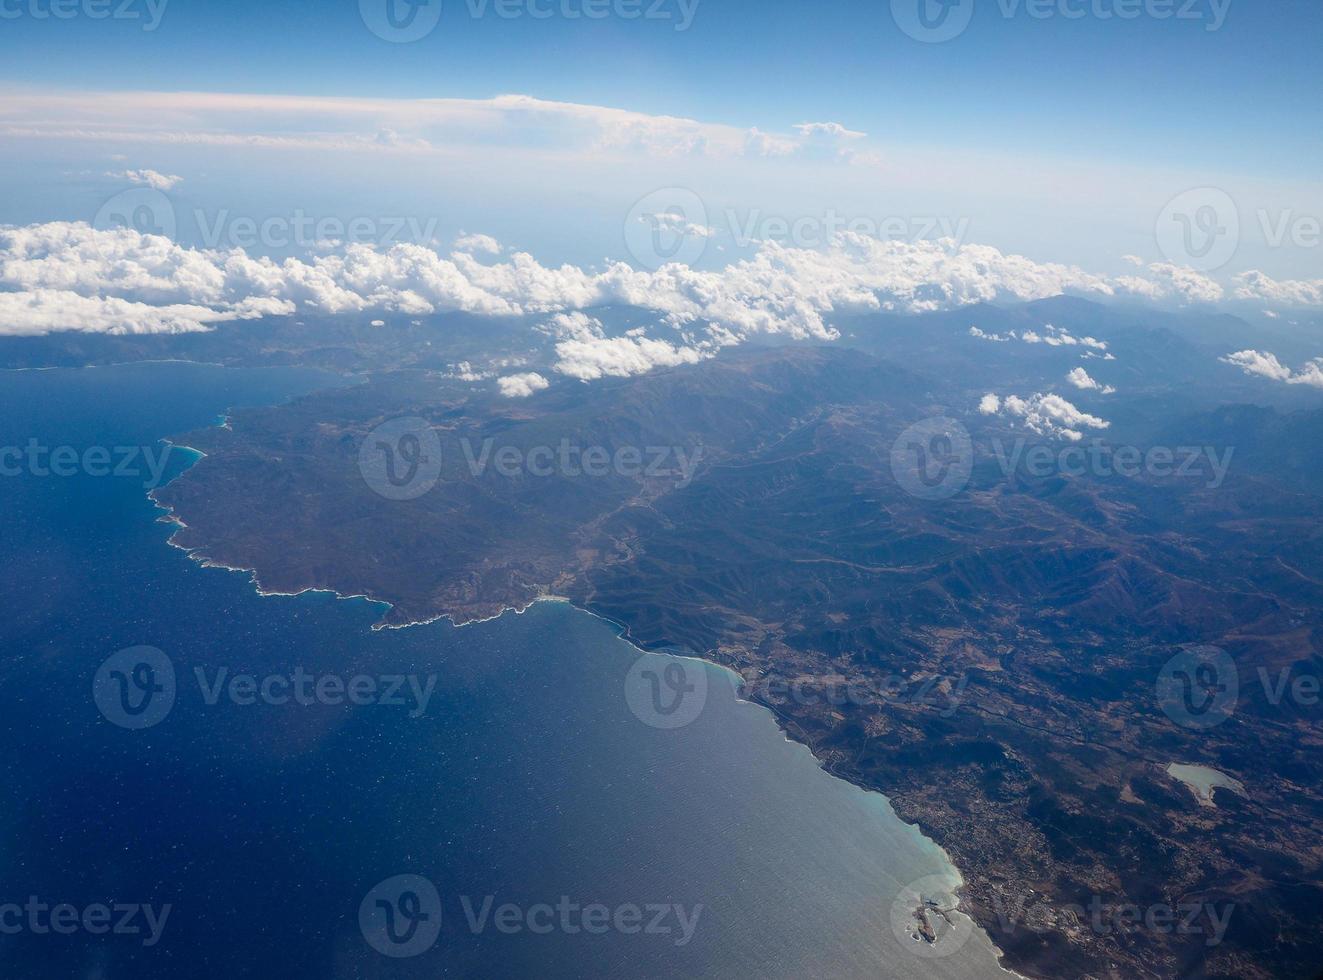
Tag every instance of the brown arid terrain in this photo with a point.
(1014, 658)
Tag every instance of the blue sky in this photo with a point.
(1247, 94)
(1060, 137)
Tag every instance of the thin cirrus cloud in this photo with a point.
(403, 125)
(147, 178)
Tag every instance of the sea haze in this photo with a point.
(527, 777)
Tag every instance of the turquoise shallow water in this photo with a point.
(536, 775)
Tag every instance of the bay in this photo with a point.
(516, 766)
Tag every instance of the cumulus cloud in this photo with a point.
(793, 292)
(678, 224)
(148, 178)
(994, 337)
(478, 243)
(1162, 280)
(1057, 337)
(1267, 365)
(584, 352)
(521, 385)
(464, 371)
(1258, 287)
(1080, 379)
(831, 141)
(42, 311)
(1045, 414)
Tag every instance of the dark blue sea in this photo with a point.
(511, 809)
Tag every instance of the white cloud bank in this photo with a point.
(1267, 365)
(69, 275)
